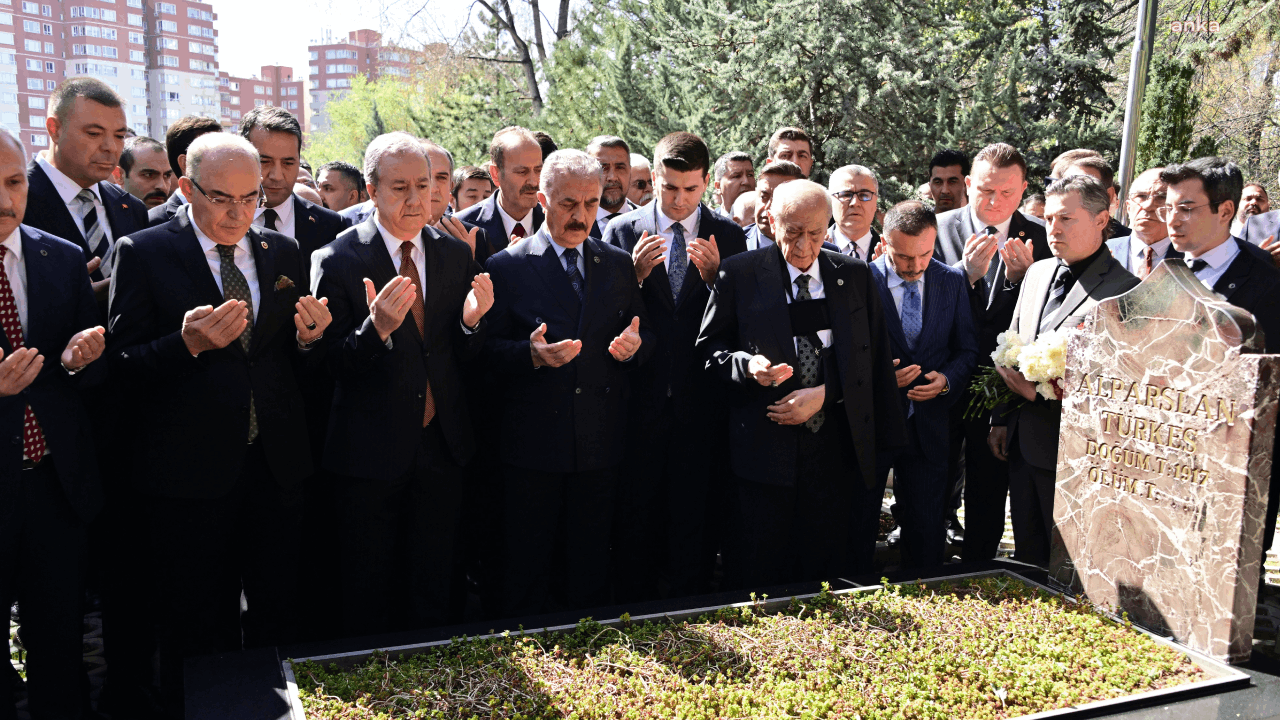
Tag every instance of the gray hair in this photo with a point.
(211, 144)
(573, 163)
(1093, 194)
(639, 161)
(392, 143)
(608, 141)
(9, 135)
(850, 171)
(86, 87)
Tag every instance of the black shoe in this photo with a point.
(955, 531)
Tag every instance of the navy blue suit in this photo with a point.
(948, 344)
(45, 510)
(357, 213)
(678, 425)
(163, 213)
(485, 214)
(563, 429)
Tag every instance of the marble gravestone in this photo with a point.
(1164, 462)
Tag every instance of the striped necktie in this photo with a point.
(95, 235)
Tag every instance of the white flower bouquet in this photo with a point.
(1043, 362)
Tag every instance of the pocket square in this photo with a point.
(283, 283)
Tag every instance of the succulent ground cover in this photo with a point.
(983, 648)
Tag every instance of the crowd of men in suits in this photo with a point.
(560, 381)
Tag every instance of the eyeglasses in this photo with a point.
(1141, 198)
(1181, 212)
(222, 201)
(847, 196)
(642, 184)
(1050, 180)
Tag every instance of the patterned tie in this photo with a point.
(409, 269)
(236, 287)
(95, 236)
(994, 268)
(911, 319)
(1057, 293)
(33, 444)
(270, 218)
(1145, 269)
(808, 348)
(679, 260)
(571, 268)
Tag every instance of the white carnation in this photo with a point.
(1045, 359)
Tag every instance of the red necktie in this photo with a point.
(1147, 256)
(33, 444)
(517, 232)
(409, 269)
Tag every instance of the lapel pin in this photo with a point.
(1021, 233)
(312, 218)
(839, 281)
(264, 244)
(45, 253)
(596, 258)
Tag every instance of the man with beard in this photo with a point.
(340, 185)
(1149, 244)
(734, 175)
(512, 213)
(947, 170)
(1263, 230)
(615, 158)
(143, 171)
(640, 192)
(1254, 201)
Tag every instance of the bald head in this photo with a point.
(799, 214)
(744, 208)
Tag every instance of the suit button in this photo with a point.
(865, 346)
(577, 391)
(420, 396)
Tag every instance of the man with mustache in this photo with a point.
(512, 213)
(277, 136)
(1259, 224)
(1149, 244)
(677, 427)
(144, 171)
(615, 159)
(640, 192)
(69, 194)
(567, 331)
(947, 170)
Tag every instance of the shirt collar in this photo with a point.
(526, 221)
(393, 242)
(690, 224)
(893, 280)
(1158, 249)
(1217, 257)
(284, 211)
(181, 196)
(67, 188)
(13, 243)
(1002, 228)
(795, 272)
(207, 244)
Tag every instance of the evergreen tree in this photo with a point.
(1169, 109)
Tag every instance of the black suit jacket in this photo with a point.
(485, 214)
(163, 213)
(597, 232)
(676, 369)
(190, 415)
(380, 392)
(747, 315)
(46, 211)
(59, 304)
(314, 227)
(571, 418)
(1252, 282)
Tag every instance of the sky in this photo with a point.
(253, 33)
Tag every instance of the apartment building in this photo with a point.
(274, 85)
(334, 62)
(181, 62)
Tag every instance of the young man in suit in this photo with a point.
(69, 195)
(994, 243)
(515, 161)
(407, 308)
(209, 317)
(277, 136)
(568, 328)
(615, 158)
(798, 335)
(1055, 294)
(935, 348)
(177, 139)
(853, 190)
(792, 145)
(49, 473)
(1202, 199)
(1149, 244)
(677, 426)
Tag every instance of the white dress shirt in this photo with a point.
(816, 292)
(180, 196)
(1219, 260)
(898, 289)
(417, 254)
(1002, 230)
(1136, 248)
(666, 228)
(845, 244)
(582, 260)
(16, 269)
(68, 189)
(285, 225)
(244, 261)
(509, 223)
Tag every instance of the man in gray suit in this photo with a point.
(1149, 245)
(1055, 294)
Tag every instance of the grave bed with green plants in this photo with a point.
(982, 647)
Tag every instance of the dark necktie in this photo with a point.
(853, 250)
(571, 269)
(270, 218)
(808, 349)
(517, 232)
(33, 444)
(994, 268)
(679, 260)
(236, 287)
(1145, 268)
(95, 235)
(409, 269)
(1197, 265)
(1057, 293)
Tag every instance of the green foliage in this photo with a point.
(1169, 110)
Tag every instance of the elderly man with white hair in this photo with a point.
(798, 334)
(208, 316)
(567, 326)
(408, 310)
